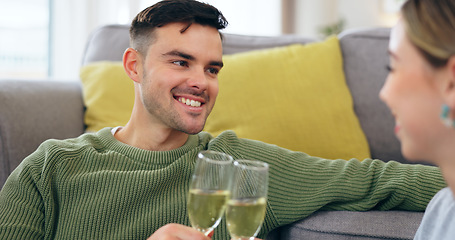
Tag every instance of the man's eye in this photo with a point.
(213, 71)
(180, 63)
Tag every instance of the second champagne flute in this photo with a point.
(246, 207)
(209, 190)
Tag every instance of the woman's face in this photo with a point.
(413, 93)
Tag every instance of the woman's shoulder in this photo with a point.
(443, 199)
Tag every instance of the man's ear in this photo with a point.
(132, 64)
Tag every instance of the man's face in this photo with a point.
(179, 78)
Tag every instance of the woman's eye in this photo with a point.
(389, 68)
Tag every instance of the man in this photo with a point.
(131, 182)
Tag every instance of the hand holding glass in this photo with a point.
(246, 207)
(209, 190)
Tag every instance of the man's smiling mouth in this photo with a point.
(189, 102)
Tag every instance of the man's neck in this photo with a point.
(152, 139)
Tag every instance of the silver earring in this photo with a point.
(445, 116)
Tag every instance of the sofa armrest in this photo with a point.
(33, 111)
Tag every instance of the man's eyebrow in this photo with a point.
(179, 54)
(190, 57)
(217, 63)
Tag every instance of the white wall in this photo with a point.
(254, 17)
(371, 13)
(311, 15)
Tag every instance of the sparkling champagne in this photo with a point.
(205, 208)
(245, 216)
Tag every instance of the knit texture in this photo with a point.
(95, 187)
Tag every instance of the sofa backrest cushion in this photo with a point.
(107, 43)
(365, 58)
(32, 111)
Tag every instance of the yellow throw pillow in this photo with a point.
(108, 95)
(295, 97)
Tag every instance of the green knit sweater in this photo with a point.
(95, 187)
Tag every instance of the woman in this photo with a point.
(420, 91)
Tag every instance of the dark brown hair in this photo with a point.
(172, 11)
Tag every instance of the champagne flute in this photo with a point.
(246, 207)
(209, 190)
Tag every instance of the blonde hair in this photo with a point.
(430, 26)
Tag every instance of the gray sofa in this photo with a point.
(33, 111)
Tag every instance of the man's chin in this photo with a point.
(192, 132)
(193, 129)
(191, 126)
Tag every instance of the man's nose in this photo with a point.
(198, 79)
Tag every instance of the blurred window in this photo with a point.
(24, 39)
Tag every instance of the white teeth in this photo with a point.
(190, 102)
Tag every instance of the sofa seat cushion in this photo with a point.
(340, 225)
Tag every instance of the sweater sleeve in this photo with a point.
(21, 205)
(300, 184)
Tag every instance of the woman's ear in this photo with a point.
(132, 64)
